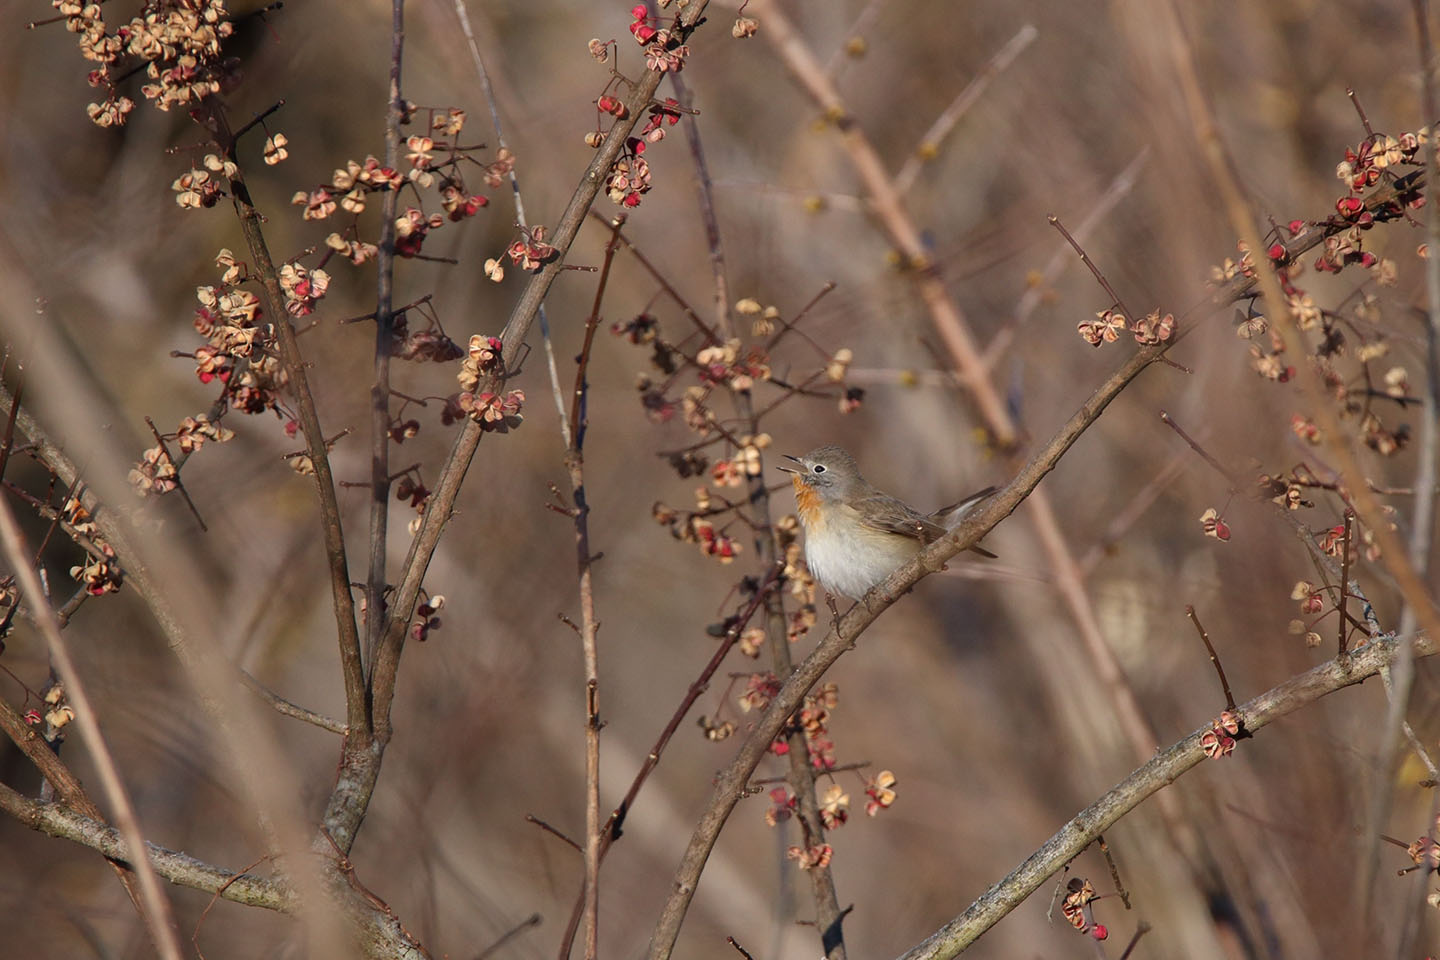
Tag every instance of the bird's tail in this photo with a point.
(950, 517)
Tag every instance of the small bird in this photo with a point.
(855, 534)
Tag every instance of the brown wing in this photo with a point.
(893, 516)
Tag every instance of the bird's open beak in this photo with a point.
(786, 467)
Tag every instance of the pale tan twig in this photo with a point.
(158, 916)
(1393, 553)
(1149, 779)
(930, 143)
(289, 709)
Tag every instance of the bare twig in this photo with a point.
(289, 709)
(930, 143)
(60, 820)
(554, 832)
(158, 916)
(488, 89)
(347, 633)
(589, 626)
(384, 346)
(358, 776)
(1149, 779)
(531, 921)
(1214, 658)
(1114, 870)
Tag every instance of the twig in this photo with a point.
(1140, 931)
(1214, 659)
(61, 820)
(1149, 779)
(215, 898)
(289, 709)
(1343, 627)
(1120, 187)
(930, 143)
(158, 916)
(617, 817)
(488, 89)
(531, 818)
(1114, 870)
(1219, 468)
(1090, 265)
(531, 921)
(378, 538)
(179, 484)
(348, 635)
(356, 784)
(574, 435)
(844, 633)
(739, 949)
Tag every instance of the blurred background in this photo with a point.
(975, 690)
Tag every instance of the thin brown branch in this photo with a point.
(61, 820)
(1114, 870)
(356, 783)
(846, 630)
(543, 825)
(1214, 659)
(930, 143)
(347, 634)
(529, 922)
(701, 683)
(158, 917)
(289, 709)
(1343, 627)
(384, 345)
(574, 434)
(1146, 781)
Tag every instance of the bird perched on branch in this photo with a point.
(855, 534)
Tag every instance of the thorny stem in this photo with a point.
(1214, 659)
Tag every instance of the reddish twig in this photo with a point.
(1214, 658)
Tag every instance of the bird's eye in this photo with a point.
(818, 468)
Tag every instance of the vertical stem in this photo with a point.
(828, 914)
(574, 434)
(384, 331)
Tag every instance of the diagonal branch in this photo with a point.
(157, 913)
(356, 716)
(1148, 780)
(731, 784)
(360, 766)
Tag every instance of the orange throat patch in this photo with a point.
(807, 502)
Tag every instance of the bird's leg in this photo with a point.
(834, 610)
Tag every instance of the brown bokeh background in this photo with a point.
(974, 690)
